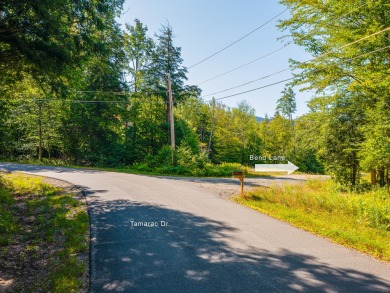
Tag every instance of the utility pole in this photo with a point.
(212, 127)
(171, 118)
(40, 130)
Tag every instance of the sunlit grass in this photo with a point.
(357, 220)
(57, 221)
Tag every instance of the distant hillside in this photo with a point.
(259, 119)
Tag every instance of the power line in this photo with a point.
(349, 44)
(357, 8)
(80, 101)
(239, 67)
(228, 46)
(240, 39)
(342, 47)
(246, 64)
(364, 54)
(320, 56)
(255, 89)
(102, 92)
(252, 81)
(268, 85)
(264, 77)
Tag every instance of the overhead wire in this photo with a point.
(240, 93)
(268, 85)
(237, 94)
(357, 8)
(240, 39)
(320, 56)
(262, 25)
(310, 60)
(81, 101)
(368, 53)
(272, 52)
(255, 89)
(246, 83)
(246, 64)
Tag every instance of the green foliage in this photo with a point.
(309, 143)
(106, 103)
(184, 156)
(139, 50)
(279, 136)
(375, 151)
(74, 28)
(286, 103)
(343, 139)
(350, 76)
(8, 224)
(167, 59)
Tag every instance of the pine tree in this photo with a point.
(139, 52)
(286, 104)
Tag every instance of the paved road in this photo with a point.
(208, 244)
(227, 187)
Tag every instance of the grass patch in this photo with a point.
(356, 220)
(45, 233)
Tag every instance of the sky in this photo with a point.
(202, 28)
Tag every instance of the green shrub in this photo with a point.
(184, 157)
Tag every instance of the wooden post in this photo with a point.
(171, 118)
(40, 130)
(212, 128)
(240, 176)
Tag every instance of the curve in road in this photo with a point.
(159, 235)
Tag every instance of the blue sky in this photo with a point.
(203, 27)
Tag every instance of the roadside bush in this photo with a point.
(184, 157)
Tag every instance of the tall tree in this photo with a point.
(245, 123)
(48, 36)
(167, 59)
(139, 51)
(286, 103)
(349, 72)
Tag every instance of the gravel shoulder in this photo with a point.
(228, 187)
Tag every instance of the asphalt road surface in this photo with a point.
(160, 235)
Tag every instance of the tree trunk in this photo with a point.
(373, 176)
(381, 172)
(40, 132)
(354, 171)
(242, 150)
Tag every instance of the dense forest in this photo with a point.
(76, 88)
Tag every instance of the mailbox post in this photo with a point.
(240, 176)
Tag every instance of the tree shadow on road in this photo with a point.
(16, 167)
(195, 254)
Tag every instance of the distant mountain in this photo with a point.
(259, 119)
